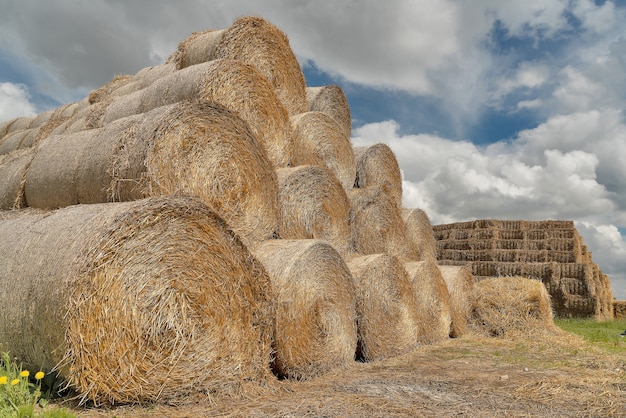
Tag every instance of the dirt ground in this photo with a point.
(536, 376)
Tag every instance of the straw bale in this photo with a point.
(315, 323)
(105, 91)
(508, 305)
(318, 140)
(433, 300)
(199, 47)
(376, 165)
(332, 101)
(619, 307)
(145, 301)
(377, 226)
(13, 140)
(13, 168)
(313, 205)
(421, 233)
(18, 124)
(143, 78)
(233, 84)
(255, 41)
(194, 148)
(388, 319)
(460, 284)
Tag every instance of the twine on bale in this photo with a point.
(376, 166)
(460, 284)
(233, 84)
(255, 41)
(377, 226)
(146, 301)
(421, 233)
(332, 101)
(433, 300)
(317, 140)
(505, 306)
(313, 206)
(315, 328)
(388, 319)
(193, 148)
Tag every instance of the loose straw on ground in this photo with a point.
(145, 301)
(192, 148)
(388, 318)
(315, 323)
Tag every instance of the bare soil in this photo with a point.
(522, 376)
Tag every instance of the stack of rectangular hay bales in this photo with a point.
(550, 251)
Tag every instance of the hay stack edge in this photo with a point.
(205, 226)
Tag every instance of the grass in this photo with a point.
(602, 334)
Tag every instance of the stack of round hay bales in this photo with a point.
(190, 148)
(135, 302)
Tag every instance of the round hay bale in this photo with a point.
(144, 78)
(460, 284)
(377, 226)
(376, 165)
(506, 306)
(13, 168)
(255, 41)
(313, 205)
(433, 300)
(192, 148)
(332, 101)
(104, 92)
(199, 47)
(421, 233)
(388, 320)
(18, 124)
(145, 301)
(315, 323)
(233, 84)
(317, 140)
(12, 141)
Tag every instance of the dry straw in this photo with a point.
(191, 148)
(460, 284)
(377, 225)
(13, 168)
(433, 300)
(199, 47)
(255, 41)
(146, 301)
(421, 233)
(318, 140)
(332, 101)
(376, 165)
(388, 316)
(313, 205)
(506, 306)
(233, 84)
(104, 92)
(315, 323)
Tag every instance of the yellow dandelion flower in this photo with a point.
(24, 373)
(39, 375)
(15, 382)
(3, 380)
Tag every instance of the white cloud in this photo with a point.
(14, 101)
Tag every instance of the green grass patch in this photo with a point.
(604, 334)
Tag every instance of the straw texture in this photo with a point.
(421, 233)
(144, 301)
(460, 284)
(199, 47)
(13, 168)
(313, 206)
(433, 300)
(376, 166)
(388, 317)
(191, 148)
(318, 140)
(315, 323)
(332, 101)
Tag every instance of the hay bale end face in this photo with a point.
(433, 300)
(315, 323)
(145, 301)
(332, 101)
(421, 233)
(313, 206)
(460, 284)
(388, 319)
(377, 166)
(504, 306)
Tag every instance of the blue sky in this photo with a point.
(505, 110)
